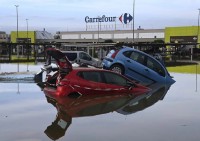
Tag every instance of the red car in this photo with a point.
(74, 82)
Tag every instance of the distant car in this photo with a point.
(81, 57)
(75, 82)
(186, 50)
(137, 65)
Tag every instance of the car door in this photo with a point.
(136, 69)
(115, 84)
(90, 82)
(155, 70)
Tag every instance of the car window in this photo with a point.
(115, 79)
(134, 56)
(127, 53)
(103, 77)
(91, 76)
(138, 57)
(152, 64)
(71, 56)
(84, 56)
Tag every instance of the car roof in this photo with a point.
(129, 48)
(72, 51)
(125, 48)
(89, 69)
(79, 69)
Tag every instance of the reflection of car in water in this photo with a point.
(137, 65)
(158, 93)
(86, 105)
(66, 81)
(96, 104)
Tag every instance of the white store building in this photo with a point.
(140, 35)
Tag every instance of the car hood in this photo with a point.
(60, 58)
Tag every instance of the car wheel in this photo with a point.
(117, 68)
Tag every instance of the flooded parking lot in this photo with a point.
(173, 114)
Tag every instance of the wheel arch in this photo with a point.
(120, 64)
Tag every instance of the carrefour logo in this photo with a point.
(124, 18)
(100, 19)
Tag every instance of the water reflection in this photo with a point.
(158, 93)
(90, 105)
(86, 105)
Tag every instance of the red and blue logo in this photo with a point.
(126, 18)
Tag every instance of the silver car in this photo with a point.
(82, 58)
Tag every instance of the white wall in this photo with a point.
(86, 36)
(70, 36)
(112, 35)
(123, 35)
(150, 35)
(103, 36)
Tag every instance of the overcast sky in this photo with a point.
(69, 15)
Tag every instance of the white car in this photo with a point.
(82, 58)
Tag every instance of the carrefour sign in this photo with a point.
(100, 19)
(124, 18)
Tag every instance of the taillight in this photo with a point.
(114, 54)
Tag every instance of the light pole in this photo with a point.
(17, 39)
(27, 44)
(98, 29)
(133, 18)
(198, 26)
(17, 19)
(197, 44)
(27, 29)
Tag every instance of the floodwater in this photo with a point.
(168, 113)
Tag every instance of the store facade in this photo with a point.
(184, 34)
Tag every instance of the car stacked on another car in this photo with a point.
(75, 82)
(137, 65)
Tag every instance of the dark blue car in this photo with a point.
(137, 65)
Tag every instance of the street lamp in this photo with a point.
(197, 44)
(133, 18)
(17, 38)
(17, 19)
(27, 44)
(27, 29)
(98, 29)
(198, 26)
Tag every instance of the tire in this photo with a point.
(117, 68)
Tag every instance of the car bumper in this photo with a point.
(107, 63)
